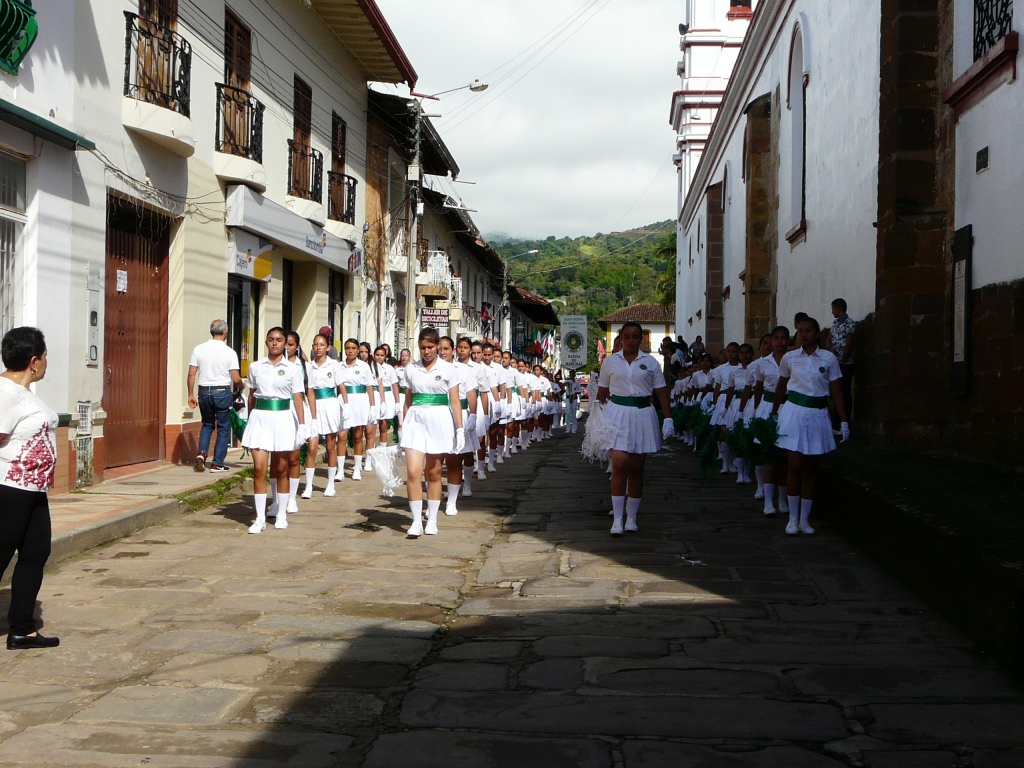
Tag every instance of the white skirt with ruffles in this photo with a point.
(718, 413)
(636, 429)
(429, 429)
(274, 431)
(328, 415)
(805, 430)
(358, 412)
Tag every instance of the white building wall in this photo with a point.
(986, 200)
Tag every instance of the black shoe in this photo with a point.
(24, 642)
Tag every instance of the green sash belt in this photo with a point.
(807, 401)
(325, 392)
(768, 397)
(355, 389)
(273, 404)
(402, 390)
(429, 399)
(465, 403)
(632, 402)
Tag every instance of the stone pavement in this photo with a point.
(521, 635)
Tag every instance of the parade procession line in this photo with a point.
(521, 635)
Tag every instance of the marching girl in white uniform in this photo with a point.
(389, 389)
(276, 423)
(499, 411)
(737, 382)
(433, 429)
(762, 384)
(464, 353)
(376, 393)
(485, 407)
(359, 385)
(807, 376)
(544, 410)
(628, 379)
(404, 361)
(295, 355)
(511, 403)
(327, 410)
(720, 382)
(467, 398)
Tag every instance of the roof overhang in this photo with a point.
(362, 28)
(436, 158)
(32, 123)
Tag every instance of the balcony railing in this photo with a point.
(305, 172)
(993, 19)
(157, 65)
(239, 123)
(341, 197)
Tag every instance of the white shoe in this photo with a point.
(451, 511)
(616, 528)
(308, 492)
(293, 508)
(357, 475)
(416, 529)
(759, 494)
(733, 470)
(724, 470)
(507, 454)
(500, 458)
(805, 527)
(514, 450)
(480, 474)
(769, 509)
(466, 491)
(631, 525)
(329, 490)
(740, 479)
(258, 526)
(792, 529)
(282, 522)
(491, 467)
(272, 511)
(367, 466)
(430, 529)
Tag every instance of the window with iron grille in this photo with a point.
(12, 222)
(992, 21)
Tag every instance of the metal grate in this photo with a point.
(84, 420)
(993, 19)
(83, 455)
(12, 207)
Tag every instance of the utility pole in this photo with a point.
(415, 179)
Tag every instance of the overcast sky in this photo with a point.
(581, 144)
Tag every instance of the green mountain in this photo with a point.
(594, 276)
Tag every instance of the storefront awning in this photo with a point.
(252, 212)
(41, 127)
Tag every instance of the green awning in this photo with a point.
(18, 30)
(41, 127)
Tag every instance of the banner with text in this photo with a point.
(574, 341)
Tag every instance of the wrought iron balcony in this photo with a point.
(993, 19)
(239, 123)
(341, 197)
(305, 172)
(157, 65)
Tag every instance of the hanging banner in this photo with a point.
(574, 341)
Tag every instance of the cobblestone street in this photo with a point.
(522, 635)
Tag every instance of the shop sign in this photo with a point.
(250, 256)
(434, 317)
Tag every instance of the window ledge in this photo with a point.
(797, 234)
(997, 66)
(740, 12)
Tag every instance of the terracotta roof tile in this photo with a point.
(642, 313)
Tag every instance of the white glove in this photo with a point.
(668, 429)
(460, 440)
(401, 416)
(471, 422)
(844, 428)
(499, 409)
(344, 409)
(302, 434)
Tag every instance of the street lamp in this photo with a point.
(506, 310)
(415, 178)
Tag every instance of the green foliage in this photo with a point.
(595, 276)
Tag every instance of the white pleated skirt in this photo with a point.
(718, 413)
(389, 409)
(636, 429)
(705, 402)
(429, 429)
(275, 431)
(471, 434)
(805, 430)
(764, 410)
(358, 413)
(733, 414)
(328, 415)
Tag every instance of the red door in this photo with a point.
(135, 336)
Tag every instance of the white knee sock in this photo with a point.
(759, 474)
(416, 508)
(453, 495)
(618, 507)
(741, 469)
(805, 509)
(331, 473)
(309, 477)
(632, 507)
(432, 506)
(293, 488)
(357, 463)
(467, 478)
(794, 508)
(260, 499)
(783, 499)
(341, 466)
(769, 494)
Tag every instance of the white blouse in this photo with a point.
(279, 381)
(637, 379)
(323, 376)
(357, 375)
(810, 374)
(766, 370)
(438, 380)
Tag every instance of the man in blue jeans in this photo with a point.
(214, 366)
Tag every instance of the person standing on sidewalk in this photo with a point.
(807, 376)
(628, 380)
(28, 457)
(840, 344)
(214, 366)
(328, 334)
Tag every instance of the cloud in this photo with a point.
(570, 149)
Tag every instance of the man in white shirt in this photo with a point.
(214, 366)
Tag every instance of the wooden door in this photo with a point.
(237, 69)
(154, 68)
(135, 334)
(302, 110)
